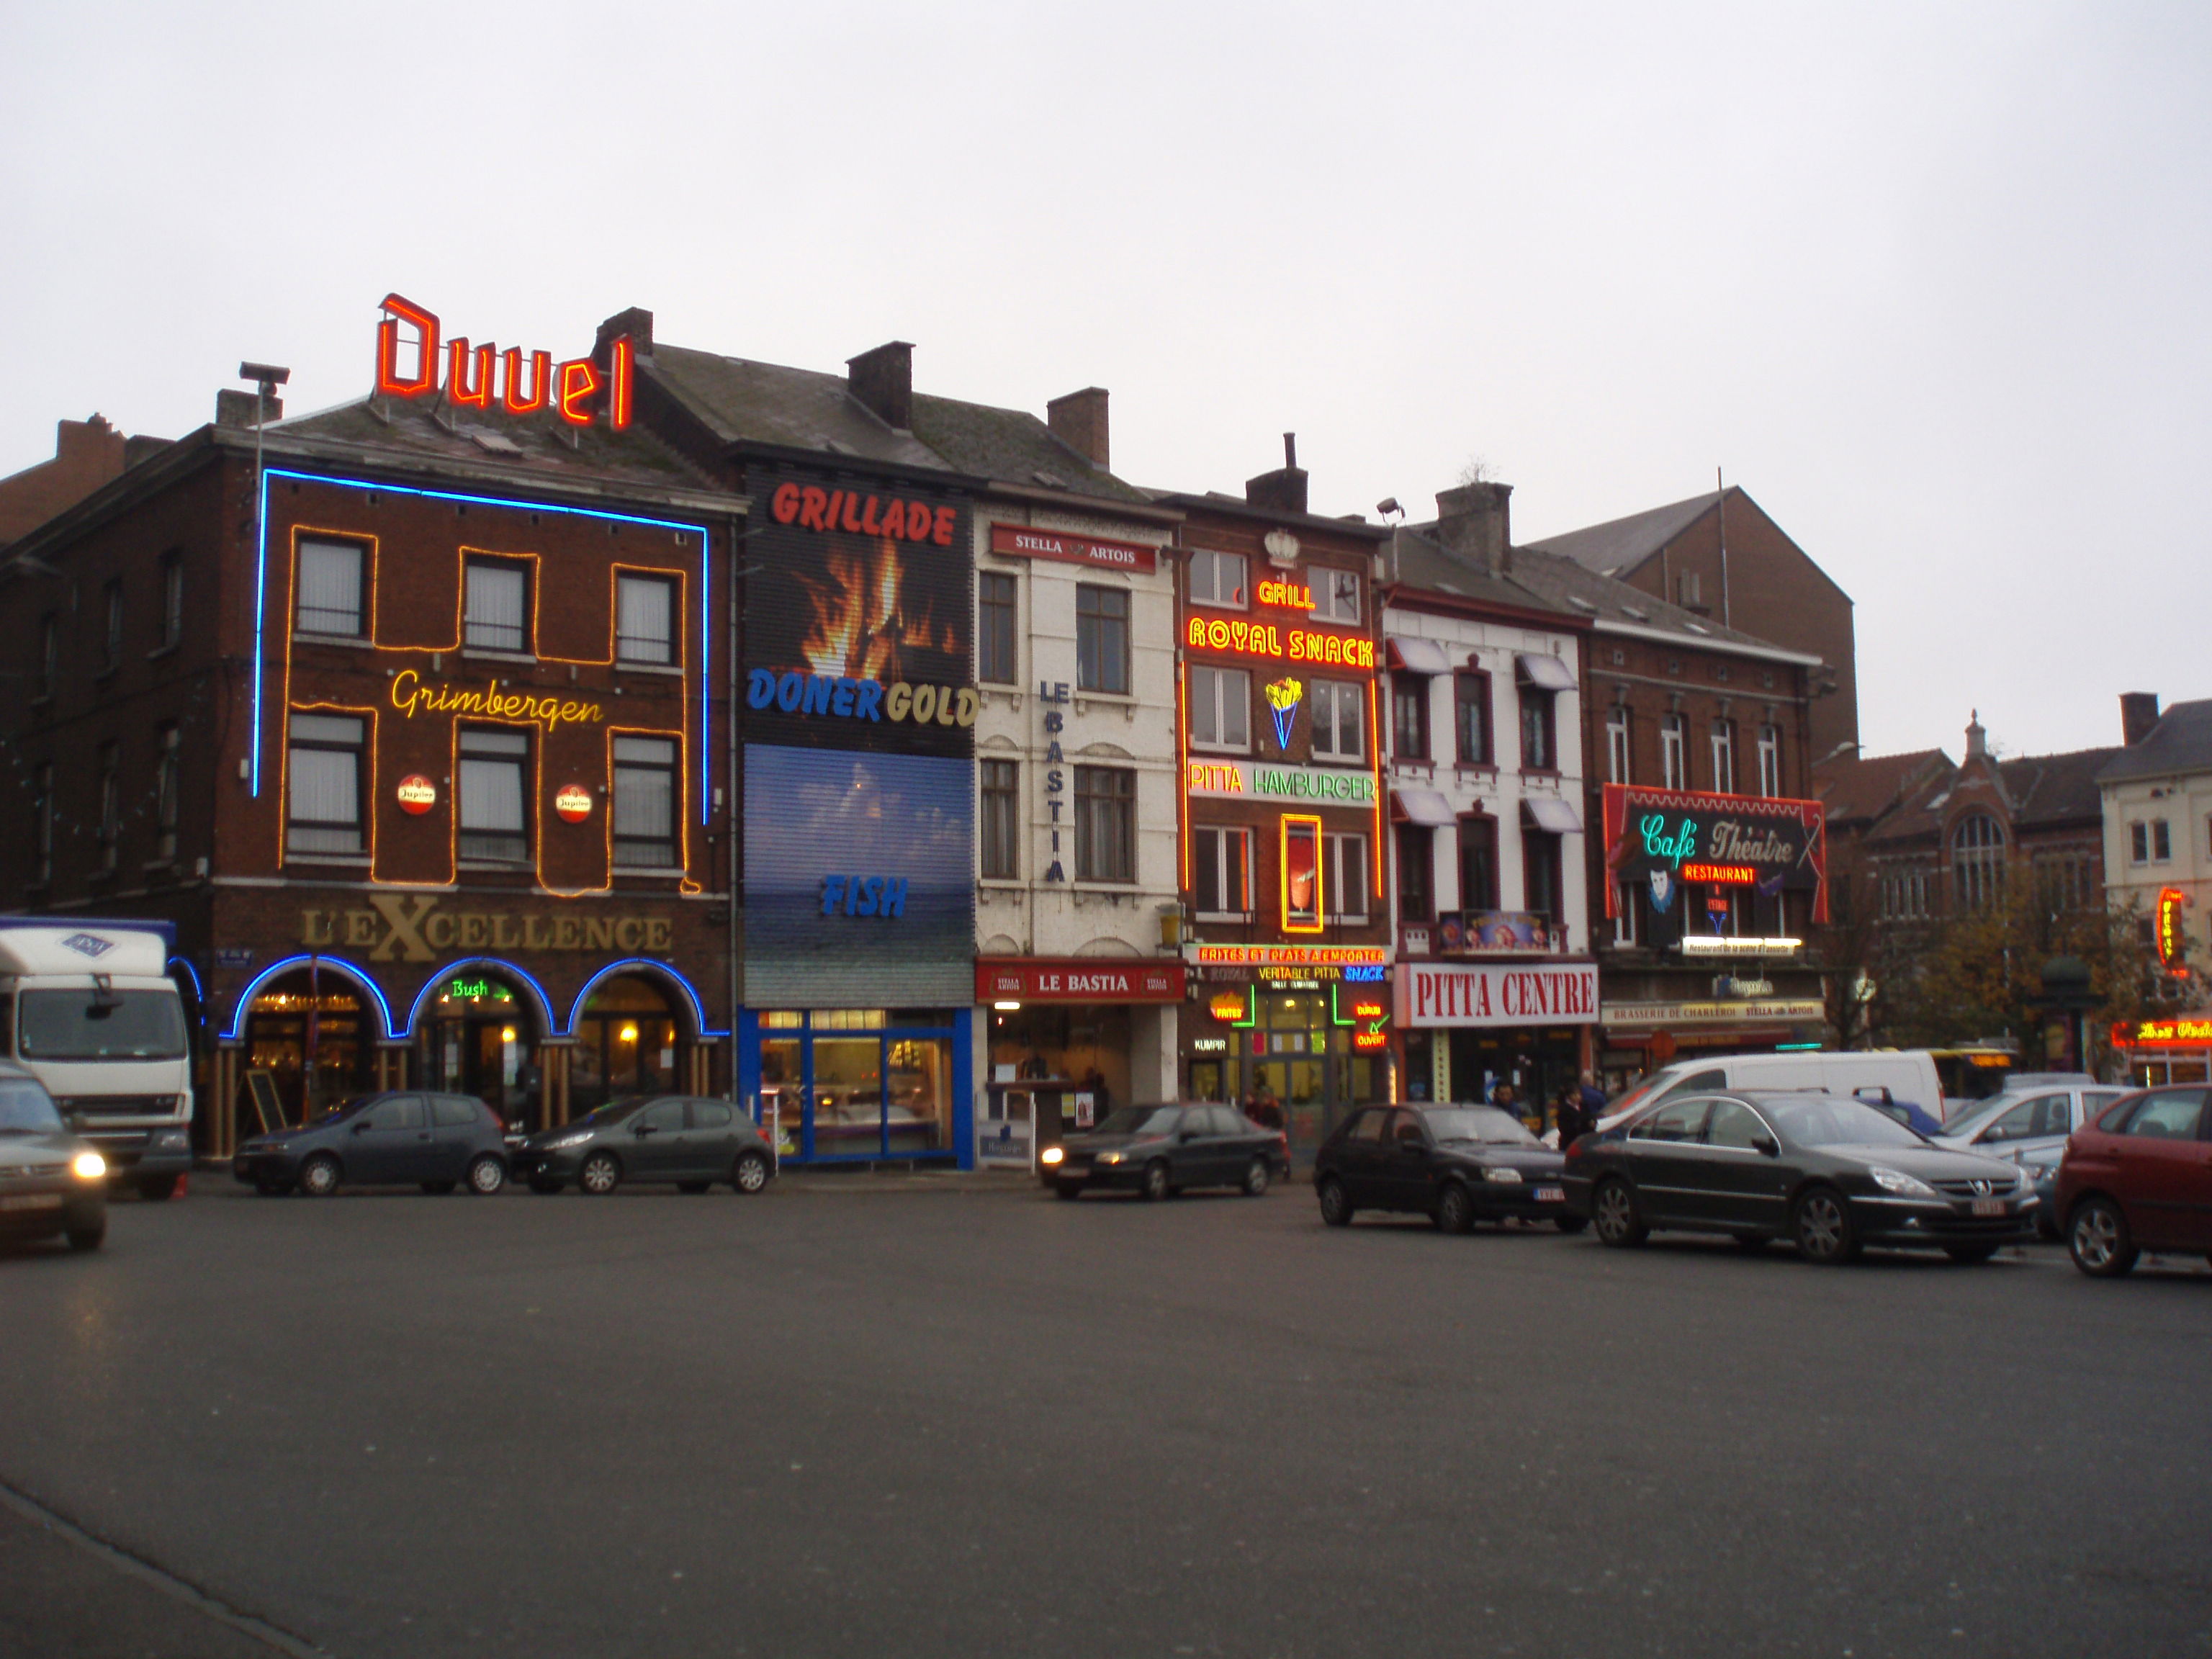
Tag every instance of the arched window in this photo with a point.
(1977, 861)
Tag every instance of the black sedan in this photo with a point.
(693, 1143)
(405, 1137)
(1830, 1174)
(1456, 1165)
(1156, 1151)
(51, 1181)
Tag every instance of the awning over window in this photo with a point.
(1415, 656)
(1548, 813)
(1545, 673)
(1421, 807)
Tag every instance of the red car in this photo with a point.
(2139, 1178)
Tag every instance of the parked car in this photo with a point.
(2028, 1125)
(52, 1180)
(2139, 1178)
(1831, 1174)
(396, 1137)
(1156, 1151)
(693, 1143)
(1456, 1165)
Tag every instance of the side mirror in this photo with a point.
(1765, 1146)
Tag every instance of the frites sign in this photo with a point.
(409, 361)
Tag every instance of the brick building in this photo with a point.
(87, 454)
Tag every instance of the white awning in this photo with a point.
(1421, 807)
(1545, 673)
(1418, 656)
(1548, 813)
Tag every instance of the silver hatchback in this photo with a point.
(2028, 1125)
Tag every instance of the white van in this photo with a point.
(91, 1012)
(1909, 1074)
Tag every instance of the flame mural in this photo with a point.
(862, 621)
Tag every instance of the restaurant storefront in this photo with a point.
(1069, 1038)
(1470, 1026)
(1304, 1027)
(2155, 1052)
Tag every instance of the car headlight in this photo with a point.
(1050, 1155)
(170, 1139)
(88, 1166)
(1504, 1177)
(1896, 1180)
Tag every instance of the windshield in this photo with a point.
(27, 1108)
(86, 1025)
(1484, 1125)
(1980, 1113)
(615, 1110)
(1139, 1121)
(1809, 1122)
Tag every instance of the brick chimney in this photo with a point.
(242, 408)
(1977, 740)
(1078, 419)
(1476, 522)
(87, 454)
(882, 381)
(636, 322)
(2138, 714)
(1284, 490)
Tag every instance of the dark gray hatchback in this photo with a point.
(691, 1141)
(406, 1137)
(51, 1181)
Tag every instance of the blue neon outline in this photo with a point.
(191, 974)
(690, 992)
(544, 1002)
(359, 975)
(706, 585)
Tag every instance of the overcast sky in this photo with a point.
(1929, 281)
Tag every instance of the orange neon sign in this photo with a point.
(2172, 932)
(475, 374)
(1722, 875)
(1288, 595)
(1272, 640)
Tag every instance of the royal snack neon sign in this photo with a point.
(475, 374)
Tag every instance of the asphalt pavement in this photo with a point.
(933, 1417)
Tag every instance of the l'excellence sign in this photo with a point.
(1497, 993)
(1015, 540)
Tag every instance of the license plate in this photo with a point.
(1989, 1206)
(1551, 1195)
(32, 1202)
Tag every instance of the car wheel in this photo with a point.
(1970, 1255)
(1256, 1177)
(2099, 1239)
(1455, 1209)
(543, 1188)
(1612, 1208)
(1156, 1186)
(439, 1188)
(1335, 1202)
(87, 1238)
(486, 1175)
(1066, 1189)
(1823, 1226)
(319, 1176)
(159, 1189)
(750, 1174)
(1572, 1224)
(601, 1173)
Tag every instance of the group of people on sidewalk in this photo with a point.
(1574, 1109)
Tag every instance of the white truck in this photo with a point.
(90, 1010)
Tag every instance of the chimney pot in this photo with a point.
(1476, 522)
(1078, 419)
(882, 381)
(637, 323)
(1283, 490)
(2138, 714)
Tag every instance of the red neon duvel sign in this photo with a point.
(476, 374)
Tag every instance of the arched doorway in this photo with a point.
(629, 1040)
(311, 1031)
(477, 1034)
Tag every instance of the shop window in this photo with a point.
(645, 803)
(1102, 639)
(495, 825)
(173, 598)
(996, 598)
(1723, 741)
(999, 835)
(50, 654)
(628, 1042)
(1339, 720)
(1105, 823)
(1335, 595)
(113, 635)
(1477, 864)
(330, 589)
(1977, 861)
(1471, 717)
(1540, 877)
(1674, 752)
(1539, 741)
(645, 619)
(108, 828)
(497, 605)
(1409, 716)
(324, 767)
(166, 752)
(1344, 877)
(1770, 760)
(1221, 708)
(1617, 749)
(1221, 873)
(1217, 579)
(1416, 879)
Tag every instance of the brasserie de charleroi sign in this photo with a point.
(1661, 841)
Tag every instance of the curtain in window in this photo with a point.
(645, 800)
(642, 622)
(498, 597)
(325, 771)
(330, 588)
(492, 821)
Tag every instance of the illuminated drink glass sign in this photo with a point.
(1300, 873)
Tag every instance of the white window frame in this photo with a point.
(652, 760)
(1215, 839)
(1339, 693)
(1723, 747)
(1334, 884)
(359, 555)
(625, 644)
(1326, 583)
(1216, 690)
(1770, 760)
(471, 622)
(1674, 752)
(1617, 755)
(334, 734)
(1211, 561)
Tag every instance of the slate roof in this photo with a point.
(1421, 563)
(409, 428)
(2181, 742)
(1867, 787)
(1618, 545)
(2054, 789)
(1011, 446)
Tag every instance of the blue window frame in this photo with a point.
(848, 1089)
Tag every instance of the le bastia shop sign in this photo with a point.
(413, 927)
(1497, 993)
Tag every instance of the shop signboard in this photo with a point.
(1032, 978)
(409, 365)
(1493, 931)
(1730, 1011)
(1016, 541)
(1326, 785)
(1663, 842)
(2184, 1032)
(1461, 994)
